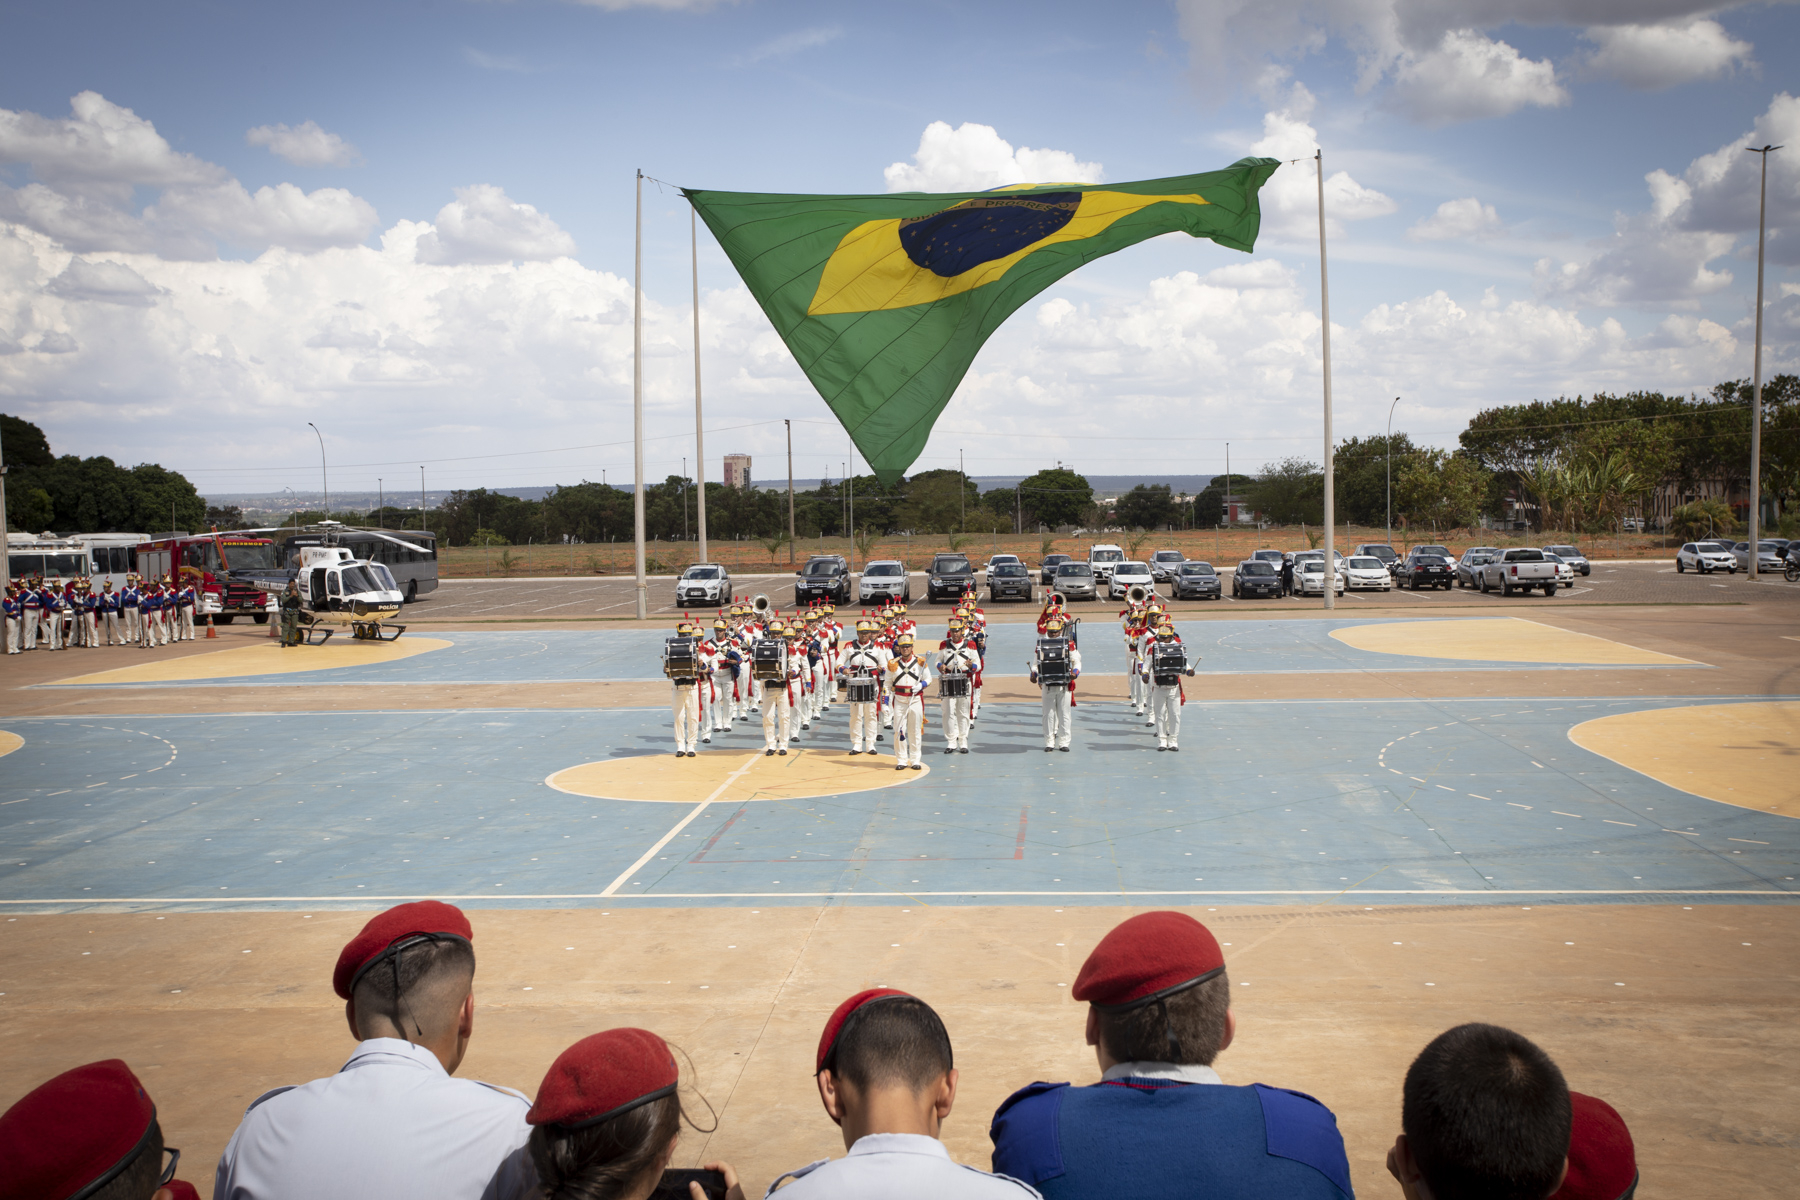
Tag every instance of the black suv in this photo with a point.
(951, 576)
(1009, 579)
(824, 577)
(1425, 569)
(1047, 571)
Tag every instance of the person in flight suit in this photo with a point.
(685, 700)
(908, 677)
(1167, 698)
(1058, 698)
(1160, 1122)
(88, 1133)
(607, 1118)
(393, 1122)
(957, 658)
(290, 614)
(887, 1077)
(865, 670)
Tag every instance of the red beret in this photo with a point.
(602, 1076)
(182, 1191)
(1148, 957)
(835, 1026)
(421, 918)
(77, 1130)
(1602, 1163)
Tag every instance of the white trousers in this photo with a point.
(187, 625)
(132, 626)
(775, 716)
(1165, 706)
(112, 629)
(797, 709)
(12, 634)
(1138, 687)
(909, 730)
(956, 721)
(865, 726)
(90, 628)
(722, 708)
(29, 628)
(1059, 715)
(54, 621)
(686, 705)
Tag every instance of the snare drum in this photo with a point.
(953, 686)
(862, 691)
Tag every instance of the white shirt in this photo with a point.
(393, 1124)
(898, 1166)
(1181, 1072)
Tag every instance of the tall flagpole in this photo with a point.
(1330, 585)
(1756, 415)
(637, 402)
(699, 428)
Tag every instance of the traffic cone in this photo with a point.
(210, 631)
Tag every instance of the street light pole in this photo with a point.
(1390, 474)
(1762, 215)
(1330, 584)
(324, 480)
(962, 493)
(790, 448)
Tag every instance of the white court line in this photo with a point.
(239, 900)
(680, 825)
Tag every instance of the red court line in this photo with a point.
(723, 829)
(1019, 846)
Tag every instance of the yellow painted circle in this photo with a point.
(1499, 639)
(732, 776)
(9, 742)
(270, 659)
(1742, 754)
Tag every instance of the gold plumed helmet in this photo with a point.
(1165, 620)
(905, 639)
(1052, 624)
(1165, 630)
(865, 626)
(685, 628)
(955, 625)
(721, 623)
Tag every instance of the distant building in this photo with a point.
(737, 470)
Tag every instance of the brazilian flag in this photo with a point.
(885, 300)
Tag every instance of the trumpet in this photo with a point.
(760, 604)
(1136, 594)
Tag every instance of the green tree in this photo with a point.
(1440, 490)
(1704, 518)
(936, 501)
(1146, 506)
(1290, 492)
(1360, 473)
(1055, 497)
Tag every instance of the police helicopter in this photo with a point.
(337, 589)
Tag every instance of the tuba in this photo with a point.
(760, 604)
(1136, 594)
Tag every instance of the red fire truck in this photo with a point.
(200, 558)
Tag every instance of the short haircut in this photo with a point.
(139, 1180)
(894, 1040)
(434, 978)
(605, 1160)
(1487, 1116)
(1195, 1018)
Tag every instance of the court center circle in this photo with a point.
(732, 776)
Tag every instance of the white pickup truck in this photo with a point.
(1525, 569)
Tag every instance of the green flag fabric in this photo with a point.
(885, 300)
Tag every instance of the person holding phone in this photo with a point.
(606, 1122)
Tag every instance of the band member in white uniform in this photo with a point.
(684, 677)
(717, 712)
(865, 669)
(1165, 697)
(1058, 683)
(958, 665)
(908, 677)
(778, 698)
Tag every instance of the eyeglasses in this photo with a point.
(169, 1171)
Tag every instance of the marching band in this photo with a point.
(48, 615)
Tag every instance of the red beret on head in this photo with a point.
(79, 1129)
(421, 918)
(1146, 958)
(602, 1076)
(835, 1026)
(1602, 1162)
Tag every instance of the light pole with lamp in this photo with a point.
(324, 480)
(1762, 214)
(1390, 474)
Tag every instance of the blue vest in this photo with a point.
(1131, 1138)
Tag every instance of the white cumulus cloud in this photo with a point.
(1659, 56)
(484, 225)
(1290, 200)
(974, 158)
(304, 145)
(1468, 76)
(1459, 220)
(98, 143)
(105, 282)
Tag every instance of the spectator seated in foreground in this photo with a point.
(1161, 1122)
(90, 1133)
(887, 1077)
(392, 1123)
(1485, 1115)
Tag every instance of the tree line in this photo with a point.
(69, 494)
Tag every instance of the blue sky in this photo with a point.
(157, 304)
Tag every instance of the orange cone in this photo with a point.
(210, 631)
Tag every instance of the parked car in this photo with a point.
(1047, 568)
(1633, 525)
(1381, 550)
(1565, 574)
(1576, 559)
(1103, 558)
(1705, 557)
(1771, 556)
(1276, 557)
(1009, 579)
(1127, 575)
(1256, 577)
(884, 581)
(996, 559)
(1194, 581)
(824, 577)
(704, 583)
(1423, 568)
(1468, 567)
(1075, 580)
(951, 577)
(1300, 556)
(1523, 568)
(1164, 562)
(1365, 572)
(1309, 578)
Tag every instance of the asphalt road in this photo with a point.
(612, 596)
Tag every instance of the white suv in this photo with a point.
(886, 580)
(1102, 559)
(1705, 557)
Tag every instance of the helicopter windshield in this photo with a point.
(361, 578)
(383, 576)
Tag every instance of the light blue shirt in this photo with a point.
(898, 1166)
(393, 1124)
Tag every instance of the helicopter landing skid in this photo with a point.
(375, 631)
(316, 635)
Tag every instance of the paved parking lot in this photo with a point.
(468, 600)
